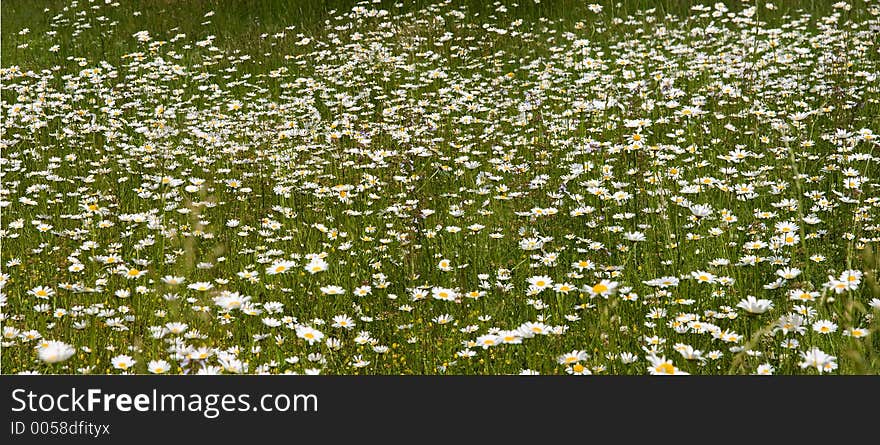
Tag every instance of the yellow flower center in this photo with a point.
(665, 368)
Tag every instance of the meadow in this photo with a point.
(439, 187)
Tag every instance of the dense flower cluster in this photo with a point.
(416, 192)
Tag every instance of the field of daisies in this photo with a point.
(440, 187)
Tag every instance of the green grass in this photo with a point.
(256, 125)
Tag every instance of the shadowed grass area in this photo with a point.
(243, 24)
